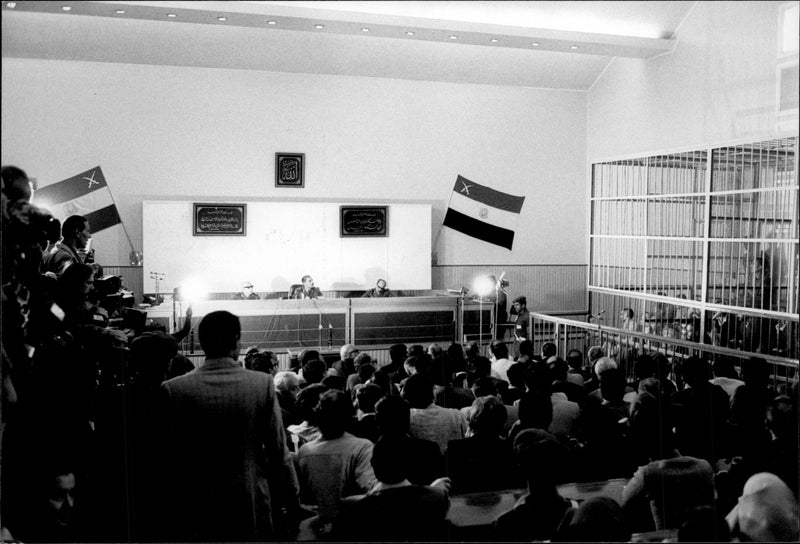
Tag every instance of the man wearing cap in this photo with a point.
(520, 318)
(247, 292)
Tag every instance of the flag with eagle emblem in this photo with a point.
(483, 213)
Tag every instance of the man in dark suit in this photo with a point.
(307, 289)
(226, 446)
(76, 235)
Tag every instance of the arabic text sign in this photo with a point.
(220, 219)
(363, 220)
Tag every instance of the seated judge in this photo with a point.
(380, 290)
(247, 292)
(307, 289)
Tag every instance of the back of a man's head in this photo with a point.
(419, 364)
(348, 351)
(219, 334)
(499, 350)
(286, 382)
(603, 364)
(595, 353)
(483, 387)
(723, 367)
(575, 359)
(314, 371)
(390, 460)
(516, 375)
(481, 367)
(398, 353)
(307, 401)
(393, 415)
(367, 396)
(308, 355)
(540, 457)
(455, 352)
(549, 349)
(695, 371)
(487, 416)
(540, 379)
(53, 230)
(418, 391)
(536, 410)
(362, 359)
(755, 371)
(644, 367)
(559, 368)
(334, 413)
(612, 385)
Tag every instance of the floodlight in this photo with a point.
(483, 286)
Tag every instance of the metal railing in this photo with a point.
(624, 345)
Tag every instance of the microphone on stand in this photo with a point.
(330, 326)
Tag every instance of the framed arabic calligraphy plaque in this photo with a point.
(363, 220)
(220, 219)
(290, 169)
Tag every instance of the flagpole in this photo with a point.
(121, 222)
(441, 228)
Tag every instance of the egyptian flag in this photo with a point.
(86, 194)
(483, 213)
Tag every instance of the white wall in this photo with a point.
(283, 242)
(179, 133)
(718, 85)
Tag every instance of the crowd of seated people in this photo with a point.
(104, 440)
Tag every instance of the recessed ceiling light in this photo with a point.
(573, 46)
(494, 40)
(453, 37)
(272, 22)
(535, 44)
(120, 12)
(409, 33)
(173, 15)
(66, 8)
(319, 27)
(365, 29)
(222, 18)
(11, 5)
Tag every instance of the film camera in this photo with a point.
(111, 296)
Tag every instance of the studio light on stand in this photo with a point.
(500, 286)
(483, 286)
(190, 292)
